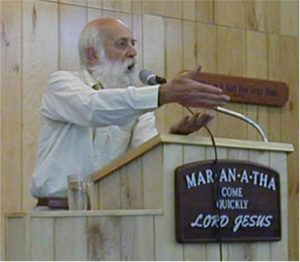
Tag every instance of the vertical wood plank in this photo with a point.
(72, 21)
(166, 247)
(231, 54)
(70, 238)
(289, 17)
(42, 238)
(173, 112)
(189, 10)
(205, 11)
(40, 49)
(117, 5)
(153, 53)
(290, 118)
(131, 183)
(274, 72)
(279, 250)
(194, 251)
(104, 238)
(260, 251)
(189, 36)
(137, 238)
(153, 178)
(256, 67)
(107, 200)
(11, 108)
(15, 237)
(93, 13)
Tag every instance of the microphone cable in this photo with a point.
(216, 193)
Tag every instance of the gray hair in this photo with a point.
(89, 37)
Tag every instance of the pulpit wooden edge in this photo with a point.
(190, 140)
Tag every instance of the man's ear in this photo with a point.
(92, 56)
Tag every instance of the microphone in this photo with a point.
(149, 78)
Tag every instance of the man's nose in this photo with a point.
(131, 51)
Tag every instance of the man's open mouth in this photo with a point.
(131, 66)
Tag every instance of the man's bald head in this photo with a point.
(100, 35)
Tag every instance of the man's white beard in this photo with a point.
(114, 74)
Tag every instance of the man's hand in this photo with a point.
(190, 124)
(187, 91)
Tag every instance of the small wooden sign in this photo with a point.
(228, 201)
(249, 90)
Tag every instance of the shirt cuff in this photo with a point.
(146, 97)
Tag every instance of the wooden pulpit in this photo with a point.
(134, 209)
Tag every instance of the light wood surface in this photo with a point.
(39, 37)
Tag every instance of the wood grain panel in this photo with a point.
(72, 21)
(131, 183)
(189, 45)
(289, 17)
(231, 60)
(153, 178)
(153, 54)
(205, 11)
(11, 107)
(42, 243)
(173, 41)
(40, 59)
(279, 250)
(256, 67)
(290, 131)
(189, 10)
(117, 5)
(166, 247)
(103, 236)
(229, 13)
(70, 238)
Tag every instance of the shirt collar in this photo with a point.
(88, 78)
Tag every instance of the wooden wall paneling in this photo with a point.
(205, 11)
(256, 67)
(42, 244)
(153, 7)
(16, 227)
(272, 16)
(68, 246)
(170, 8)
(74, 2)
(107, 200)
(93, 13)
(214, 249)
(138, 35)
(260, 250)
(229, 13)
(137, 238)
(117, 5)
(231, 60)
(10, 112)
(153, 179)
(189, 44)
(173, 41)
(289, 18)
(94, 4)
(254, 15)
(274, 73)
(72, 20)
(136, 7)
(153, 53)
(40, 49)
(206, 54)
(103, 236)
(189, 11)
(11, 107)
(194, 251)
(166, 247)
(279, 249)
(290, 132)
(131, 183)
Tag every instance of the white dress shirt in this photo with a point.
(84, 129)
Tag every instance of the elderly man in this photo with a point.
(93, 116)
